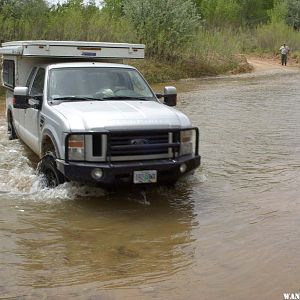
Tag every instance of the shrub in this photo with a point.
(164, 26)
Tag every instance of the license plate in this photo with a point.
(147, 176)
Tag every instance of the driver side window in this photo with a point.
(38, 83)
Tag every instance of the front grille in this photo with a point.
(142, 145)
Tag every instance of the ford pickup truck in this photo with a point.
(93, 119)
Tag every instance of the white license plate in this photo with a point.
(147, 176)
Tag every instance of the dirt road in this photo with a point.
(271, 65)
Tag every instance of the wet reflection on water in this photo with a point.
(229, 231)
(111, 241)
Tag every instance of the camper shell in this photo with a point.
(21, 56)
(91, 118)
(70, 49)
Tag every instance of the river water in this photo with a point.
(230, 231)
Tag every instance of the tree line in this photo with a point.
(160, 24)
(218, 13)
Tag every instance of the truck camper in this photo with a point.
(90, 118)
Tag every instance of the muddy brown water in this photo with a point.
(230, 231)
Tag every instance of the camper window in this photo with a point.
(9, 73)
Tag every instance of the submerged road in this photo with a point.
(230, 231)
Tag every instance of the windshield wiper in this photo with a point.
(124, 98)
(77, 98)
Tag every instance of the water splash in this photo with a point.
(20, 179)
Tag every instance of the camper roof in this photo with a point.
(72, 49)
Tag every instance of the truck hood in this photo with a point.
(116, 115)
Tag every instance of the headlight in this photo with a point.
(76, 147)
(187, 142)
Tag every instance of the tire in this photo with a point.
(171, 184)
(12, 135)
(47, 167)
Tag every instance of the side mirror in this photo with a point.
(170, 96)
(21, 98)
(35, 102)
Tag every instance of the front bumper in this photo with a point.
(118, 173)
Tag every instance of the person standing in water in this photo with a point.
(284, 50)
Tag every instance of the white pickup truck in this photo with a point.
(92, 119)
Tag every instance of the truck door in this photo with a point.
(20, 117)
(32, 115)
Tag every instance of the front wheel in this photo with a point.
(47, 167)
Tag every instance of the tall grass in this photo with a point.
(213, 51)
(210, 52)
(271, 36)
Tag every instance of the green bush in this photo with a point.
(164, 26)
(23, 19)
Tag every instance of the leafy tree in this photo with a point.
(293, 14)
(254, 12)
(164, 26)
(278, 13)
(114, 8)
(21, 19)
(71, 20)
(219, 13)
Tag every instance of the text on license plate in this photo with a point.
(147, 176)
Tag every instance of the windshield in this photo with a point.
(97, 83)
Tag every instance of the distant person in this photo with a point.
(284, 50)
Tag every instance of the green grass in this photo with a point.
(267, 39)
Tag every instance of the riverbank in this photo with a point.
(159, 72)
(254, 64)
(156, 71)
